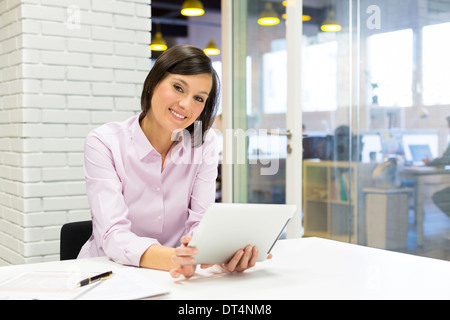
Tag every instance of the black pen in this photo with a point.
(96, 278)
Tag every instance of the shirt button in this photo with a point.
(157, 188)
(159, 217)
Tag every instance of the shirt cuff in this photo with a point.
(133, 252)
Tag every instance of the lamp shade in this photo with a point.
(211, 49)
(268, 17)
(158, 43)
(330, 24)
(192, 8)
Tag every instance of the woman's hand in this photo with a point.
(183, 258)
(243, 259)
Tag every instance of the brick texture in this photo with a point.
(65, 68)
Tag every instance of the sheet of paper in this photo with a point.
(45, 286)
(125, 284)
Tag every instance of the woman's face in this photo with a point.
(178, 100)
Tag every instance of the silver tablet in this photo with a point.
(227, 227)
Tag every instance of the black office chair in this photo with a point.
(73, 236)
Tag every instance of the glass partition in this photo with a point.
(368, 171)
(376, 114)
(403, 92)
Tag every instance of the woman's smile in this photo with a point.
(177, 116)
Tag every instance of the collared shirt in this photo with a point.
(136, 203)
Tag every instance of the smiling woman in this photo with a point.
(185, 62)
(146, 205)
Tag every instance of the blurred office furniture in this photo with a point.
(387, 217)
(330, 199)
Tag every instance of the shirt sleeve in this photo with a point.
(204, 189)
(111, 225)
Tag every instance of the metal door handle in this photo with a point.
(288, 133)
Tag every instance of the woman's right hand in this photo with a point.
(184, 259)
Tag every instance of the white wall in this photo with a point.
(65, 68)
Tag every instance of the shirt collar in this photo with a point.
(144, 147)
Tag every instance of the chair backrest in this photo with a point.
(73, 236)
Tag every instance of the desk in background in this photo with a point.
(308, 268)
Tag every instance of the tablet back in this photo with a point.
(227, 227)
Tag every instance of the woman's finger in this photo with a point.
(186, 251)
(185, 239)
(187, 271)
(182, 261)
(254, 258)
(231, 265)
(243, 263)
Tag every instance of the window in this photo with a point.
(390, 68)
(319, 77)
(436, 64)
(275, 82)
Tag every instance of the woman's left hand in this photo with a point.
(243, 259)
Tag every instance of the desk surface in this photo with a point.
(308, 268)
(426, 170)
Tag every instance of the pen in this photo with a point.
(96, 278)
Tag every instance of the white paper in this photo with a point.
(125, 284)
(45, 286)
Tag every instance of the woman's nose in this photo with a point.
(185, 103)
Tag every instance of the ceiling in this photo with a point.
(172, 22)
(166, 14)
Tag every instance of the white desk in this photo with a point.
(309, 268)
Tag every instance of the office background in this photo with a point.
(69, 66)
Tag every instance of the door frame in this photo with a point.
(233, 173)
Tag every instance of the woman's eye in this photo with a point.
(178, 88)
(199, 99)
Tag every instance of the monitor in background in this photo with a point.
(419, 141)
(318, 147)
(419, 152)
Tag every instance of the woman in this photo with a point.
(150, 178)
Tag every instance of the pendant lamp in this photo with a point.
(192, 8)
(158, 43)
(330, 24)
(211, 49)
(268, 17)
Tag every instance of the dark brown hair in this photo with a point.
(184, 60)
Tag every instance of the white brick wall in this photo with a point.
(66, 67)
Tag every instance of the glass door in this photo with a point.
(266, 144)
